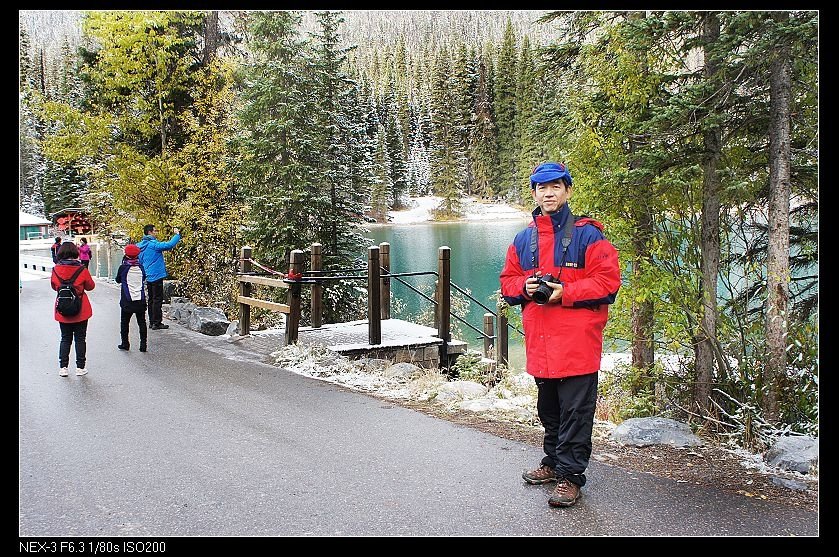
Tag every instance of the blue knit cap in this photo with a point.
(548, 172)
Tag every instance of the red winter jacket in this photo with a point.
(65, 269)
(565, 338)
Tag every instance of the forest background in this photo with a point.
(692, 135)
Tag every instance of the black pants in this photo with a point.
(155, 300)
(69, 333)
(125, 321)
(566, 410)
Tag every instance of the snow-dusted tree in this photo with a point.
(505, 110)
(446, 149)
(394, 143)
(280, 175)
(402, 85)
(29, 190)
(332, 88)
(382, 187)
(530, 141)
(419, 165)
(68, 84)
(25, 64)
(483, 150)
(464, 82)
(363, 150)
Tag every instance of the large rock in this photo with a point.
(796, 453)
(402, 370)
(655, 431)
(465, 389)
(181, 309)
(210, 321)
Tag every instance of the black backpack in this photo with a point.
(67, 302)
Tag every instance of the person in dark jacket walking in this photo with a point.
(151, 258)
(132, 300)
(54, 249)
(564, 274)
(73, 328)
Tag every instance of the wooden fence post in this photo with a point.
(489, 330)
(444, 302)
(502, 340)
(292, 323)
(245, 290)
(317, 289)
(384, 249)
(374, 310)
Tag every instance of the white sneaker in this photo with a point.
(62, 372)
(81, 371)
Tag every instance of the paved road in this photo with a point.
(193, 438)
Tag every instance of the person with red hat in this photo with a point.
(132, 301)
(564, 273)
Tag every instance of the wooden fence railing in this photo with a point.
(378, 278)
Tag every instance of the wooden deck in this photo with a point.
(402, 341)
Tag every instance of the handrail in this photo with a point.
(378, 286)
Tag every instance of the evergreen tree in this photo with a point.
(280, 179)
(382, 187)
(402, 98)
(483, 151)
(447, 159)
(394, 144)
(419, 165)
(25, 64)
(30, 161)
(463, 84)
(69, 84)
(505, 111)
(528, 86)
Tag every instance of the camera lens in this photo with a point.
(542, 294)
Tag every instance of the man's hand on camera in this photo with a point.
(532, 284)
(176, 230)
(556, 296)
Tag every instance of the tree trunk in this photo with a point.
(643, 311)
(162, 124)
(710, 231)
(212, 38)
(777, 265)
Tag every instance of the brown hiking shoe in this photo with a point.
(541, 475)
(565, 494)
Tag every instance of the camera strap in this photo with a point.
(567, 232)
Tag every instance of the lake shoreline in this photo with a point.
(419, 211)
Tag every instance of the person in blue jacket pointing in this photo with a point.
(151, 258)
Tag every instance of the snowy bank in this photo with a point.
(419, 210)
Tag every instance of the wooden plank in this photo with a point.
(262, 280)
(283, 308)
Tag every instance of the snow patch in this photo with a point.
(420, 208)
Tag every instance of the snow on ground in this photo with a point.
(514, 397)
(419, 210)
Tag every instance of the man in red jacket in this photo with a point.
(564, 274)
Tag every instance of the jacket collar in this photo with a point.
(558, 218)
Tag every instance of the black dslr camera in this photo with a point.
(543, 291)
